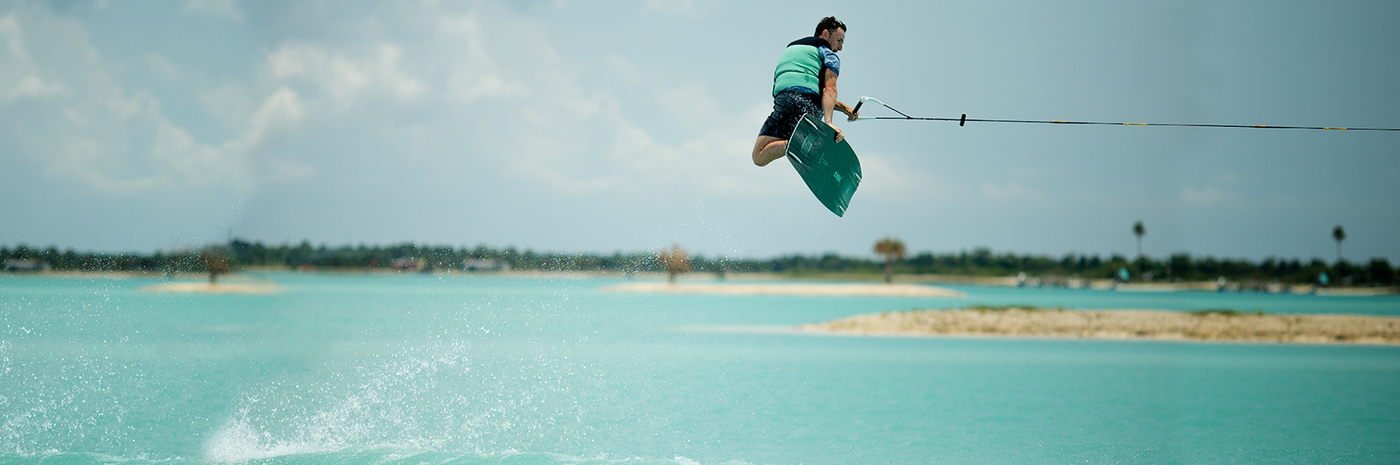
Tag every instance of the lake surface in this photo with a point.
(480, 369)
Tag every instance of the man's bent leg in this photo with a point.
(768, 148)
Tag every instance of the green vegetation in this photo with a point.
(1224, 312)
(978, 262)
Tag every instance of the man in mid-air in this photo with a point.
(804, 82)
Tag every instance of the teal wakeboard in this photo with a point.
(829, 168)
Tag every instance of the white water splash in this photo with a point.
(238, 442)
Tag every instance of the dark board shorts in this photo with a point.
(788, 108)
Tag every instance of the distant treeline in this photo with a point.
(978, 262)
(1177, 267)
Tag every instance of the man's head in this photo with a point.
(833, 30)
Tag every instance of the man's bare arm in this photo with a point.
(830, 104)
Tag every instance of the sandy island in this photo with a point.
(803, 289)
(206, 287)
(1121, 324)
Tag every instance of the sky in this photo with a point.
(595, 127)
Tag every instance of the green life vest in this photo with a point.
(801, 64)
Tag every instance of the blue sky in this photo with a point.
(577, 126)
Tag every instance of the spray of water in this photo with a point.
(440, 397)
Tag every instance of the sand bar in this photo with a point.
(1121, 324)
(205, 287)
(794, 289)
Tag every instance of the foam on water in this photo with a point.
(238, 442)
(375, 455)
(433, 397)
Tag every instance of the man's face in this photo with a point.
(836, 37)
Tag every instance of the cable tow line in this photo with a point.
(964, 120)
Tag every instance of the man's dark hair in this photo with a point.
(829, 23)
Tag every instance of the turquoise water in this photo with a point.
(460, 369)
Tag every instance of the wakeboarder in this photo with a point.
(804, 82)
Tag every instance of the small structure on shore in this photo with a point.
(408, 264)
(485, 265)
(14, 264)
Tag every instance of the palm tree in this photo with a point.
(1340, 235)
(892, 249)
(1139, 231)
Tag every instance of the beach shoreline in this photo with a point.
(788, 289)
(818, 279)
(207, 287)
(1206, 326)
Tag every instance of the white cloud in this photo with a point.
(345, 76)
(14, 38)
(472, 73)
(20, 77)
(36, 87)
(196, 163)
(491, 73)
(282, 107)
(231, 104)
(574, 139)
(66, 113)
(500, 92)
(479, 87)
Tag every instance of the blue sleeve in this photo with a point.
(830, 60)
